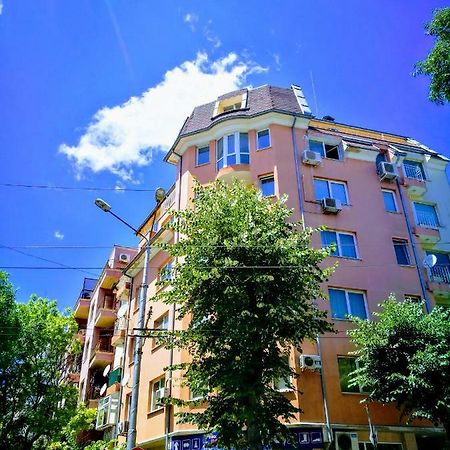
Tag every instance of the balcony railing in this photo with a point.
(440, 274)
(427, 220)
(413, 172)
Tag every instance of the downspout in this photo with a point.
(125, 347)
(174, 309)
(302, 218)
(412, 240)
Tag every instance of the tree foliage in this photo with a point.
(35, 337)
(404, 358)
(248, 279)
(437, 63)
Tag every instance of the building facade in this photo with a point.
(385, 202)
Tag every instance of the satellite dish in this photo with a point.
(106, 371)
(122, 311)
(103, 389)
(160, 193)
(125, 379)
(429, 261)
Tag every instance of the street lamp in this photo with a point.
(131, 436)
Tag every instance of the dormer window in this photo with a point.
(230, 104)
(232, 149)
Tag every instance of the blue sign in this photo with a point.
(305, 438)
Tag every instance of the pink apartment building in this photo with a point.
(385, 200)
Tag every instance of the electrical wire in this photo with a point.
(73, 188)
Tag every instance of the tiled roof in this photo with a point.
(259, 100)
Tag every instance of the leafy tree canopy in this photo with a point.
(35, 338)
(437, 64)
(248, 279)
(404, 358)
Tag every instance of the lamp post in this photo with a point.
(131, 436)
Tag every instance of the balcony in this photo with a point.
(114, 381)
(102, 354)
(439, 279)
(414, 180)
(427, 227)
(236, 171)
(81, 310)
(106, 313)
(109, 277)
(119, 332)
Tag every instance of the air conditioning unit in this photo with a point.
(123, 257)
(387, 171)
(311, 362)
(331, 205)
(122, 427)
(346, 440)
(311, 158)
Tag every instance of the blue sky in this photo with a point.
(92, 92)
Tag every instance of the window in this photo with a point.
(267, 186)
(426, 215)
(195, 395)
(262, 139)
(328, 188)
(157, 392)
(344, 243)
(414, 169)
(166, 272)
(331, 151)
(401, 252)
(347, 303)
(413, 298)
(347, 365)
(232, 149)
(160, 324)
(390, 204)
(202, 156)
(232, 107)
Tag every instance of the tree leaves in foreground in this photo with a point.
(405, 358)
(437, 63)
(248, 281)
(34, 339)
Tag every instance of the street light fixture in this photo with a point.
(131, 436)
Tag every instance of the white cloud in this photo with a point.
(191, 19)
(211, 36)
(126, 136)
(58, 235)
(277, 59)
(1, 6)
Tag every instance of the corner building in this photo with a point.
(384, 199)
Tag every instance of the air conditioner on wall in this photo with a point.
(122, 427)
(123, 257)
(331, 205)
(311, 158)
(346, 440)
(311, 362)
(387, 171)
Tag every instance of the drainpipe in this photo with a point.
(412, 240)
(125, 347)
(302, 217)
(174, 309)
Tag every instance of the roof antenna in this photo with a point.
(314, 93)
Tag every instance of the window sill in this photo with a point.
(156, 347)
(346, 257)
(155, 412)
(264, 148)
(201, 165)
(353, 393)
(407, 266)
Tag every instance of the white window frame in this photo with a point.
(347, 301)
(163, 275)
(338, 244)
(423, 174)
(268, 177)
(329, 182)
(197, 164)
(324, 155)
(257, 142)
(394, 198)
(360, 390)
(161, 320)
(153, 405)
(237, 149)
(416, 218)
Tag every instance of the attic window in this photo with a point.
(230, 104)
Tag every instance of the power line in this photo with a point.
(73, 188)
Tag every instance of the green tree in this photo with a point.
(248, 279)
(437, 63)
(404, 357)
(35, 401)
